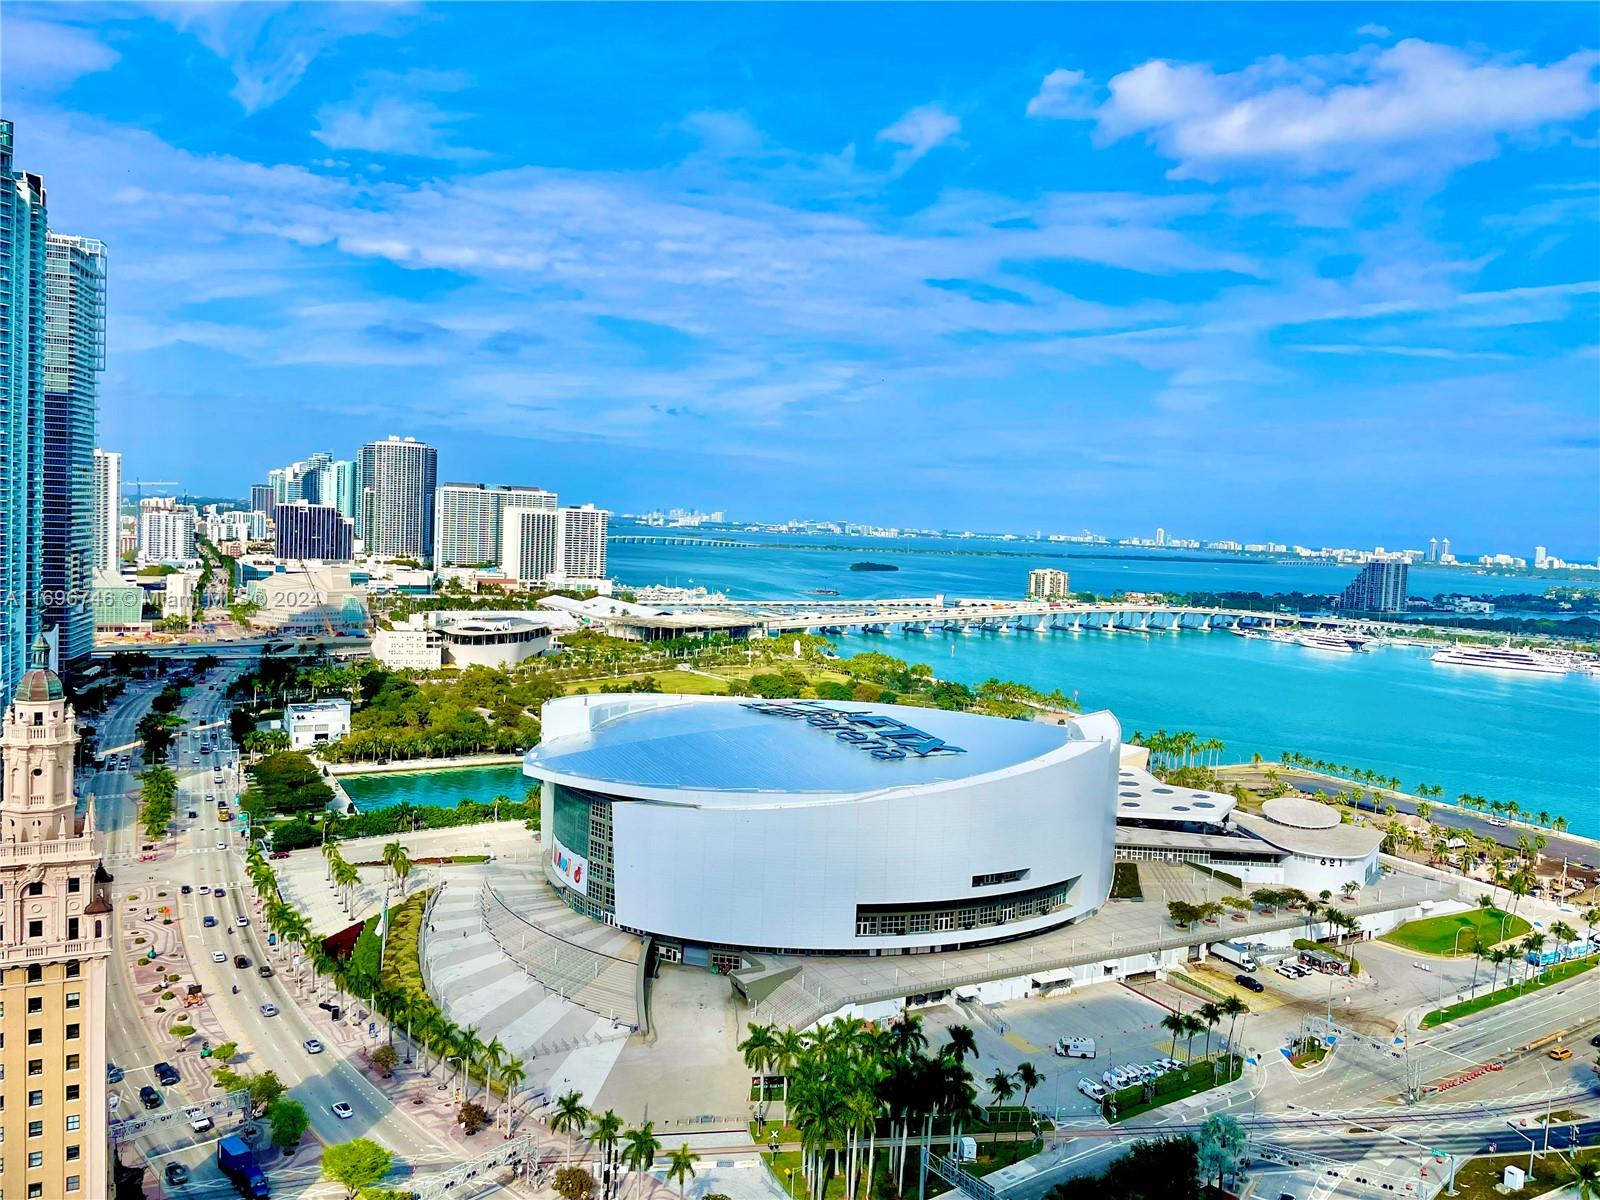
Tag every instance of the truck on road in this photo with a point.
(1235, 953)
(237, 1162)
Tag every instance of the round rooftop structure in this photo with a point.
(804, 825)
(39, 685)
(1299, 813)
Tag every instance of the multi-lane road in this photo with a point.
(207, 856)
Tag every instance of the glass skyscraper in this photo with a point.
(74, 356)
(398, 480)
(23, 228)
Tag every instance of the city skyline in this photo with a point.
(964, 264)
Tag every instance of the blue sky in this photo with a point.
(1323, 273)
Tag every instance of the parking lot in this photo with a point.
(1126, 1028)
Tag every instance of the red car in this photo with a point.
(280, 854)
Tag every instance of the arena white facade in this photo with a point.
(823, 827)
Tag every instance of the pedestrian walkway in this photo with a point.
(563, 1045)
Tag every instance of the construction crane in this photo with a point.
(140, 484)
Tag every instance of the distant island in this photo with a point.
(872, 566)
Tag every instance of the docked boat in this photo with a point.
(1504, 658)
(1332, 643)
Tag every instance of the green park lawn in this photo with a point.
(1458, 933)
(1549, 976)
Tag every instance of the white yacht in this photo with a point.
(1333, 643)
(1505, 658)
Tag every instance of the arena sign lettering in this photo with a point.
(884, 738)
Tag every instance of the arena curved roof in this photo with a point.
(660, 744)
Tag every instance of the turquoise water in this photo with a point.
(436, 788)
(1535, 740)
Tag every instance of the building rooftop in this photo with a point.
(1323, 841)
(1143, 797)
(654, 745)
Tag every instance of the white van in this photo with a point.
(1092, 1090)
(1075, 1047)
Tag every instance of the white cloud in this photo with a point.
(1410, 107)
(1064, 95)
(48, 55)
(1364, 350)
(390, 114)
(920, 130)
(1374, 31)
(269, 46)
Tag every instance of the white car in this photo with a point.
(217, 956)
(241, 921)
(1092, 1090)
(222, 845)
(114, 1101)
(343, 1111)
(269, 1010)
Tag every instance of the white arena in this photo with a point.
(807, 826)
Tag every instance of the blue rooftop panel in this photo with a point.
(813, 747)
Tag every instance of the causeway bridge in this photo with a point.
(935, 615)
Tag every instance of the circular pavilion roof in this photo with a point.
(1300, 813)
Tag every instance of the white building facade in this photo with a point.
(166, 532)
(318, 721)
(107, 503)
(803, 826)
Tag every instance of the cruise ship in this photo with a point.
(1333, 643)
(1505, 658)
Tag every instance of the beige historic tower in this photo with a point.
(55, 940)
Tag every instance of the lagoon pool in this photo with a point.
(437, 789)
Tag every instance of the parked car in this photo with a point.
(1250, 983)
(1092, 1090)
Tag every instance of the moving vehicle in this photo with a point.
(241, 961)
(239, 1165)
(313, 1046)
(177, 1174)
(218, 892)
(113, 1073)
(1234, 952)
(209, 922)
(241, 921)
(166, 1073)
(1560, 1053)
(217, 956)
(114, 1101)
(198, 1121)
(343, 1111)
(1075, 1047)
(149, 1097)
(264, 971)
(269, 1010)
(1250, 983)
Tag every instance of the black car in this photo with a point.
(149, 1097)
(218, 892)
(177, 1174)
(1250, 983)
(113, 1073)
(264, 971)
(186, 890)
(242, 961)
(166, 1073)
(1595, 1040)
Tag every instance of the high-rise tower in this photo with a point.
(74, 356)
(398, 478)
(22, 294)
(107, 508)
(55, 942)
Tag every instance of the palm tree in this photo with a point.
(1192, 1026)
(605, 1135)
(1233, 1008)
(471, 1049)
(1588, 1179)
(1174, 1024)
(680, 1166)
(1496, 957)
(1029, 1077)
(640, 1147)
(512, 1076)
(1002, 1087)
(570, 1117)
(961, 1043)
(1211, 1014)
(758, 1049)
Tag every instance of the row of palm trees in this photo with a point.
(1428, 791)
(438, 1039)
(1181, 750)
(847, 1082)
(1204, 1019)
(619, 1147)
